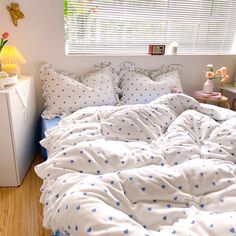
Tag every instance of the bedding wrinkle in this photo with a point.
(163, 168)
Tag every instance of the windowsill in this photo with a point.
(142, 55)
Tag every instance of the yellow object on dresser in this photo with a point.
(11, 58)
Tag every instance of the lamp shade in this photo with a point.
(10, 55)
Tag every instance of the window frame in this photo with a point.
(232, 52)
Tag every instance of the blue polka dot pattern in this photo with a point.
(140, 89)
(165, 168)
(64, 95)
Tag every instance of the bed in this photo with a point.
(46, 124)
(166, 167)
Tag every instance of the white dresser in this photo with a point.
(17, 131)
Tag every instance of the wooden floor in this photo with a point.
(20, 210)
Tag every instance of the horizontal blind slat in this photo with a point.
(103, 26)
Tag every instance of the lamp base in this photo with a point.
(11, 68)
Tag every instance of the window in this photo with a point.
(129, 26)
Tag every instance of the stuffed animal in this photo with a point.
(15, 12)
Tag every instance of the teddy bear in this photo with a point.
(15, 12)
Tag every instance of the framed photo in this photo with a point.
(156, 49)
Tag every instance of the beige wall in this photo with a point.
(40, 38)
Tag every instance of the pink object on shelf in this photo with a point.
(202, 94)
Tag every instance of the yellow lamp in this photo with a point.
(10, 59)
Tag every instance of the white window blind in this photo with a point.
(129, 26)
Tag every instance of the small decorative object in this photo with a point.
(6, 79)
(3, 41)
(213, 95)
(221, 74)
(173, 48)
(11, 58)
(208, 86)
(156, 49)
(16, 14)
(175, 90)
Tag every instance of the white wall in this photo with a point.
(40, 38)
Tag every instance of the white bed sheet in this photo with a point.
(164, 168)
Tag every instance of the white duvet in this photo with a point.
(165, 168)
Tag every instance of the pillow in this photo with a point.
(46, 67)
(165, 69)
(78, 77)
(114, 73)
(130, 66)
(64, 95)
(139, 89)
(172, 79)
(71, 75)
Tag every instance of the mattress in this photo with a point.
(57, 234)
(46, 124)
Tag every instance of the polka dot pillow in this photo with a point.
(114, 72)
(46, 67)
(172, 79)
(165, 69)
(139, 89)
(64, 95)
(130, 66)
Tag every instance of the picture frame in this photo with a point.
(156, 49)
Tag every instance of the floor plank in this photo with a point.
(20, 210)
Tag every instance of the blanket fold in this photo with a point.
(163, 168)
